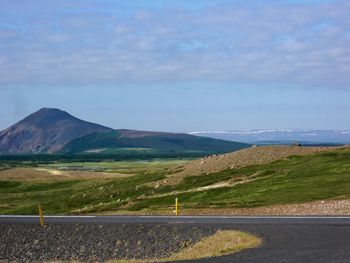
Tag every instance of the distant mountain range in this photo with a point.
(55, 131)
(283, 136)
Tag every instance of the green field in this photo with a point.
(296, 179)
(125, 167)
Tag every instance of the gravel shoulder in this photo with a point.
(95, 242)
(316, 208)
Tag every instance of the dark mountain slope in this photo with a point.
(45, 131)
(159, 141)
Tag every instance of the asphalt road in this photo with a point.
(285, 239)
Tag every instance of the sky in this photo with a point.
(178, 65)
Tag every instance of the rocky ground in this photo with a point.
(316, 208)
(94, 242)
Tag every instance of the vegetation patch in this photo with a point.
(223, 242)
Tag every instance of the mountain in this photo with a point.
(55, 131)
(282, 136)
(161, 142)
(45, 131)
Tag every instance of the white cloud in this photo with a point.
(301, 44)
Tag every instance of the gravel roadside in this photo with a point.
(95, 242)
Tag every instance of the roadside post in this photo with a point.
(176, 206)
(41, 213)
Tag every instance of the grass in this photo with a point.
(296, 179)
(68, 196)
(223, 242)
(64, 196)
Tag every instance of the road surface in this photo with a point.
(285, 239)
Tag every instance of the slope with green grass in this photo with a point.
(296, 179)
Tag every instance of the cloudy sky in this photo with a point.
(178, 65)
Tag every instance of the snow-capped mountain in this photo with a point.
(281, 136)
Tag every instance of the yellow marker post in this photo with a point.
(176, 206)
(41, 213)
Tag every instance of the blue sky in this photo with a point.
(178, 65)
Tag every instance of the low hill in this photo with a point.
(45, 131)
(160, 142)
(246, 157)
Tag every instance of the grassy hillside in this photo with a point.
(118, 141)
(296, 179)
